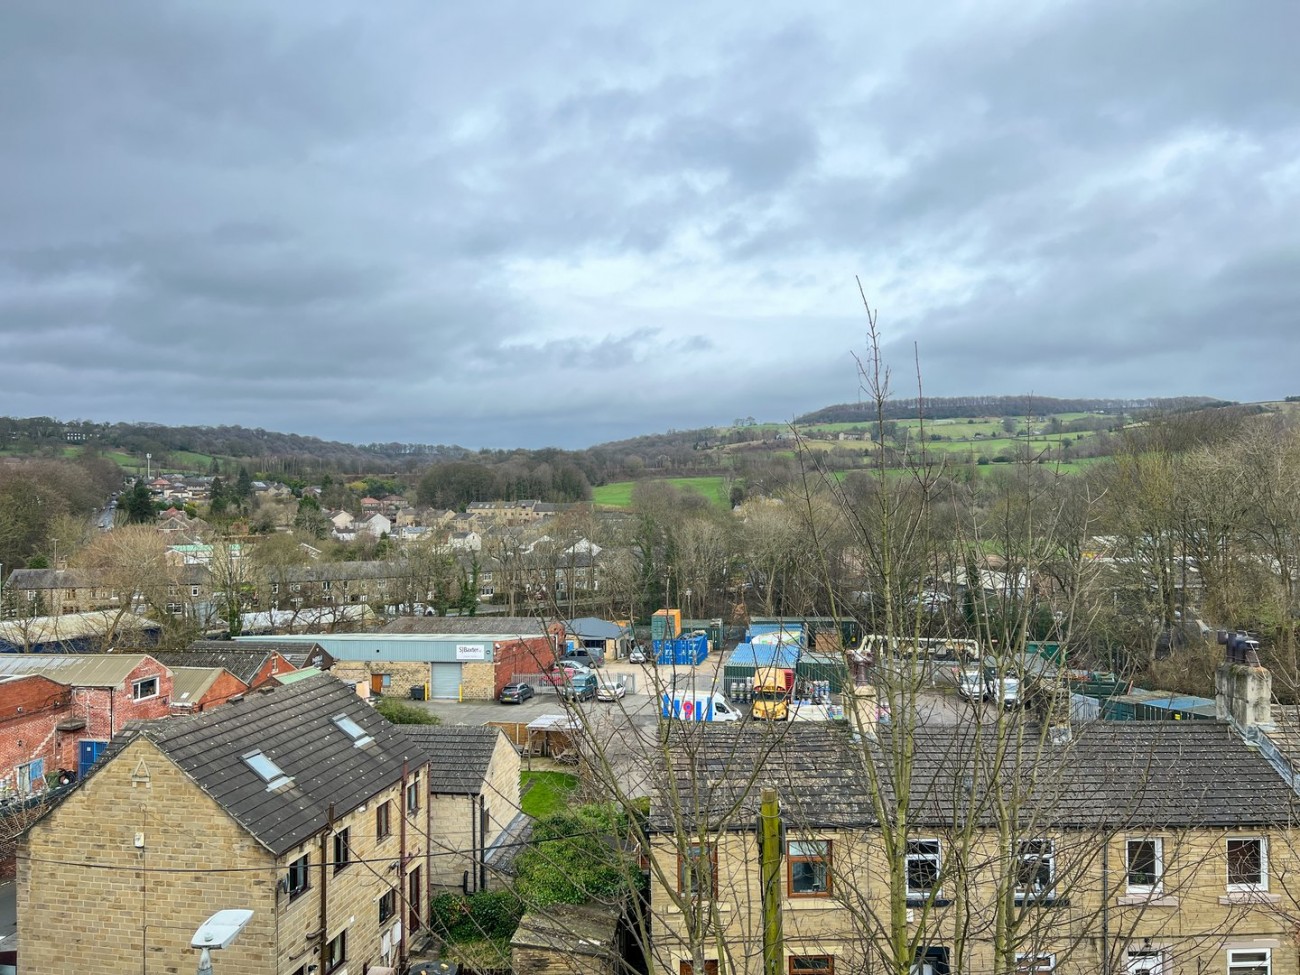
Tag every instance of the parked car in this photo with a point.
(516, 693)
(587, 656)
(579, 687)
(971, 684)
(611, 690)
(637, 656)
(564, 670)
(1010, 692)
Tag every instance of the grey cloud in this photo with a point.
(406, 221)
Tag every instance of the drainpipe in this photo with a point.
(482, 842)
(1105, 907)
(472, 883)
(401, 876)
(325, 836)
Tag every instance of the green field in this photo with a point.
(619, 494)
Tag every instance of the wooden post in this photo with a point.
(770, 855)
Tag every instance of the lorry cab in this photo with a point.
(772, 689)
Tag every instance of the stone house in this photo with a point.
(58, 592)
(299, 803)
(473, 801)
(1124, 847)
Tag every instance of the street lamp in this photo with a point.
(218, 931)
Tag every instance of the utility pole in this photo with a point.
(770, 847)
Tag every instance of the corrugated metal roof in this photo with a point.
(189, 684)
(70, 626)
(78, 669)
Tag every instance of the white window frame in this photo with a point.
(1152, 888)
(1237, 965)
(136, 685)
(1035, 961)
(1262, 884)
(1140, 961)
(918, 856)
(1037, 858)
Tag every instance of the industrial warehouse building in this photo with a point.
(441, 658)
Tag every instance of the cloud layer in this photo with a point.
(523, 224)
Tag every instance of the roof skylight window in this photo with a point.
(353, 730)
(269, 772)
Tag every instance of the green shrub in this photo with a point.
(399, 712)
(489, 914)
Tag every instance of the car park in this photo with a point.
(516, 693)
(611, 689)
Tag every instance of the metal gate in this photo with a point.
(444, 681)
(88, 753)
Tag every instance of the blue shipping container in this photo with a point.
(686, 651)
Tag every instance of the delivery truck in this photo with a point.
(687, 704)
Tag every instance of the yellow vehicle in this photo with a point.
(772, 689)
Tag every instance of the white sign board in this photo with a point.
(471, 651)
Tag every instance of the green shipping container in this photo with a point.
(822, 666)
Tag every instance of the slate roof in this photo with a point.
(1159, 774)
(596, 628)
(299, 654)
(244, 664)
(292, 725)
(719, 769)
(491, 625)
(1154, 773)
(52, 579)
(459, 755)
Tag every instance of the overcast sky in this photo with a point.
(520, 224)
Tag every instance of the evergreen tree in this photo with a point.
(218, 497)
(139, 504)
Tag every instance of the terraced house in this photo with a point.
(297, 802)
(1121, 848)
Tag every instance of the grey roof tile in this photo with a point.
(292, 725)
(459, 755)
(1155, 774)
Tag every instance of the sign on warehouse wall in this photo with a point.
(471, 651)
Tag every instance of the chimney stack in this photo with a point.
(860, 708)
(1243, 689)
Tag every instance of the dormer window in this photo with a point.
(353, 730)
(267, 770)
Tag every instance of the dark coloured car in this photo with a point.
(579, 687)
(516, 693)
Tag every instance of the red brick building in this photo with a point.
(105, 691)
(31, 708)
(196, 689)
